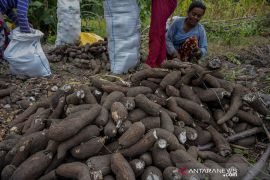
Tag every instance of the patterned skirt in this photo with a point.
(3, 35)
(186, 50)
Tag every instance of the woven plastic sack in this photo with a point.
(25, 54)
(123, 31)
(69, 22)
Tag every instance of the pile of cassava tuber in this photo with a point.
(164, 122)
(5, 92)
(92, 56)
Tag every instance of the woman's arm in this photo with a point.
(12, 16)
(203, 41)
(22, 10)
(169, 38)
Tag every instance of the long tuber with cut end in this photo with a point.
(182, 115)
(134, 91)
(256, 103)
(193, 108)
(22, 153)
(132, 135)
(7, 91)
(161, 157)
(89, 98)
(249, 118)
(111, 98)
(211, 94)
(157, 99)
(142, 146)
(218, 113)
(136, 115)
(149, 84)
(110, 129)
(239, 164)
(74, 109)
(128, 102)
(89, 148)
(175, 64)
(172, 173)
(193, 151)
(119, 113)
(213, 165)
(75, 170)
(211, 156)
(138, 166)
(67, 128)
(100, 163)
(170, 138)
(7, 172)
(181, 158)
(152, 172)
(166, 121)
(121, 167)
(148, 73)
(103, 118)
(124, 127)
(33, 167)
(222, 144)
(172, 91)
(236, 103)
(147, 158)
(84, 135)
(58, 111)
(75, 98)
(188, 93)
(49, 176)
(170, 79)
(151, 122)
(146, 105)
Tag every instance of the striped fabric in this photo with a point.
(20, 18)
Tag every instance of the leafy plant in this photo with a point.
(42, 15)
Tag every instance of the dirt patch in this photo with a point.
(249, 67)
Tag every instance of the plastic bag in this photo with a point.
(89, 38)
(69, 22)
(123, 31)
(25, 54)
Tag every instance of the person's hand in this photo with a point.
(197, 53)
(176, 55)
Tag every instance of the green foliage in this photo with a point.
(91, 9)
(231, 57)
(51, 39)
(217, 20)
(42, 15)
(227, 22)
(97, 26)
(92, 17)
(232, 32)
(231, 75)
(145, 13)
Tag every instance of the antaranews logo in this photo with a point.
(231, 172)
(226, 172)
(183, 171)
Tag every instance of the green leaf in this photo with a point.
(36, 4)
